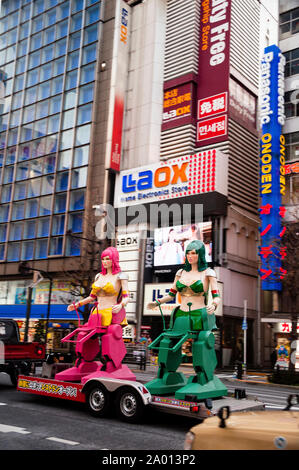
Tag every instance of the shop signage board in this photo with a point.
(213, 72)
(242, 105)
(179, 177)
(272, 169)
(178, 106)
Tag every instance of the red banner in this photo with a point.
(213, 74)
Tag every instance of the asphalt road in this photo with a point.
(29, 422)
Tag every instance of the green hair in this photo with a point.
(199, 247)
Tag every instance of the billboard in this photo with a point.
(179, 177)
(178, 106)
(272, 168)
(213, 73)
(170, 243)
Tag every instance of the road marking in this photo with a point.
(5, 428)
(63, 441)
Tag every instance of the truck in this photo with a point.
(129, 399)
(17, 357)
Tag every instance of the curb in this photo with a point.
(263, 383)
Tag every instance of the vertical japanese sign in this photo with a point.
(213, 74)
(118, 82)
(272, 168)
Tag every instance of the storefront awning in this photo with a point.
(57, 312)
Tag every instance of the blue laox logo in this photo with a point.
(158, 295)
(159, 178)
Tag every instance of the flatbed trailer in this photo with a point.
(128, 398)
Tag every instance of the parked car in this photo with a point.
(250, 430)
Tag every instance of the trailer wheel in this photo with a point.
(129, 405)
(97, 400)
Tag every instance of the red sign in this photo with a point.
(291, 168)
(212, 105)
(212, 128)
(177, 106)
(213, 73)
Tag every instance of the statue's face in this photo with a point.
(192, 257)
(107, 262)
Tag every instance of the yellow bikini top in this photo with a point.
(107, 289)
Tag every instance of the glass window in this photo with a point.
(50, 164)
(70, 99)
(15, 231)
(83, 135)
(36, 167)
(76, 222)
(68, 119)
(42, 109)
(4, 211)
(36, 42)
(58, 66)
(3, 126)
(91, 34)
(40, 128)
(60, 48)
(73, 246)
(47, 184)
(79, 177)
(57, 86)
(25, 15)
(12, 137)
(26, 132)
(27, 250)
(45, 205)
(15, 118)
(31, 95)
(38, 7)
(49, 35)
(32, 77)
(8, 174)
(19, 83)
(56, 246)
(22, 47)
(55, 104)
(77, 5)
(13, 252)
(92, 15)
(58, 225)
(6, 193)
(8, 87)
(43, 227)
(3, 230)
(65, 160)
(50, 17)
(76, 22)
(31, 208)
(11, 37)
(10, 54)
(17, 100)
(24, 31)
(24, 152)
(53, 124)
(22, 171)
(47, 54)
(61, 29)
(20, 191)
(18, 211)
(34, 187)
(66, 139)
(37, 24)
(71, 80)
(73, 60)
(20, 65)
(28, 114)
(2, 251)
(84, 114)
(45, 72)
(41, 249)
(29, 229)
(75, 41)
(34, 59)
(89, 54)
(87, 74)
(60, 203)
(62, 181)
(44, 90)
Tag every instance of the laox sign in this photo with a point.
(162, 176)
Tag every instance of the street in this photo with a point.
(30, 422)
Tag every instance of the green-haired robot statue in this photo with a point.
(192, 319)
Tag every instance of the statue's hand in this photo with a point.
(117, 308)
(71, 308)
(211, 309)
(152, 305)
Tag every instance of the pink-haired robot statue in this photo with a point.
(110, 291)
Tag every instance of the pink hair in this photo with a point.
(114, 256)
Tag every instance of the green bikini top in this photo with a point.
(196, 288)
